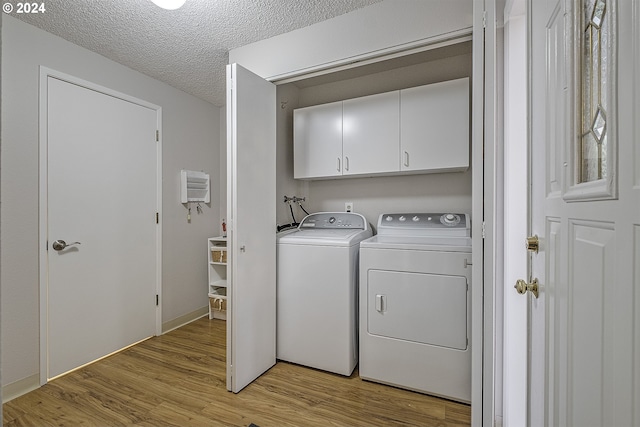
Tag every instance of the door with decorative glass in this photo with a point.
(584, 120)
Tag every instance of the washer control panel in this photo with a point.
(424, 224)
(339, 220)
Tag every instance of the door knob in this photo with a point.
(59, 245)
(533, 243)
(522, 287)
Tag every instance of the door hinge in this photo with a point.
(157, 136)
(484, 228)
(157, 218)
(157, 299)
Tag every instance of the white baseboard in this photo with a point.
(183, 320)
(20, 387)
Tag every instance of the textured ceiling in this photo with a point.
(185, 48)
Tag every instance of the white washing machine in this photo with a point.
(317, 281)
(415, 304)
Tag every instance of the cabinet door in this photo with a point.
(317, 141)
(434, 127)
(371, 134)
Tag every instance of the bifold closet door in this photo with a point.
(251, 239)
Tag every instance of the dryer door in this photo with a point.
(423, 308)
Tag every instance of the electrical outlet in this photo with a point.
(348, 207)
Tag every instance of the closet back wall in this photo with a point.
(374, 195)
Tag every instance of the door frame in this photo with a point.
(486, 192)
(485, 133)
(45, 73)
(487, 197)
(516, 212)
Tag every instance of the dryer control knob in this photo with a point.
(450, 219)
(416, 218)
(402, 219)
(389, 218)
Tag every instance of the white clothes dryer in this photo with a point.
(415, 301)
(317, 304)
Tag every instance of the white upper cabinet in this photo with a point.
(371, 134)
(419, 130)
(434, 127)
(317, 141)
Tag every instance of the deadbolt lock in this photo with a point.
(522, 287)
(533, 243)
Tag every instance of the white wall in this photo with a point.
(377, 30)
(287, 99)
(191, 138)
(371, 196)
(381, 28)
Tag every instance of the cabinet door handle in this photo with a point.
(381, 302)
(346, 163)
(406, 158)
(338, 168)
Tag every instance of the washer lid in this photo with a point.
(334, 220)
(325, 237)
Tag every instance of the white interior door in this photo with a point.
(251, 199)
(585, 92)
(102, 193)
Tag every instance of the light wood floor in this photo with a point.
(178, 379)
